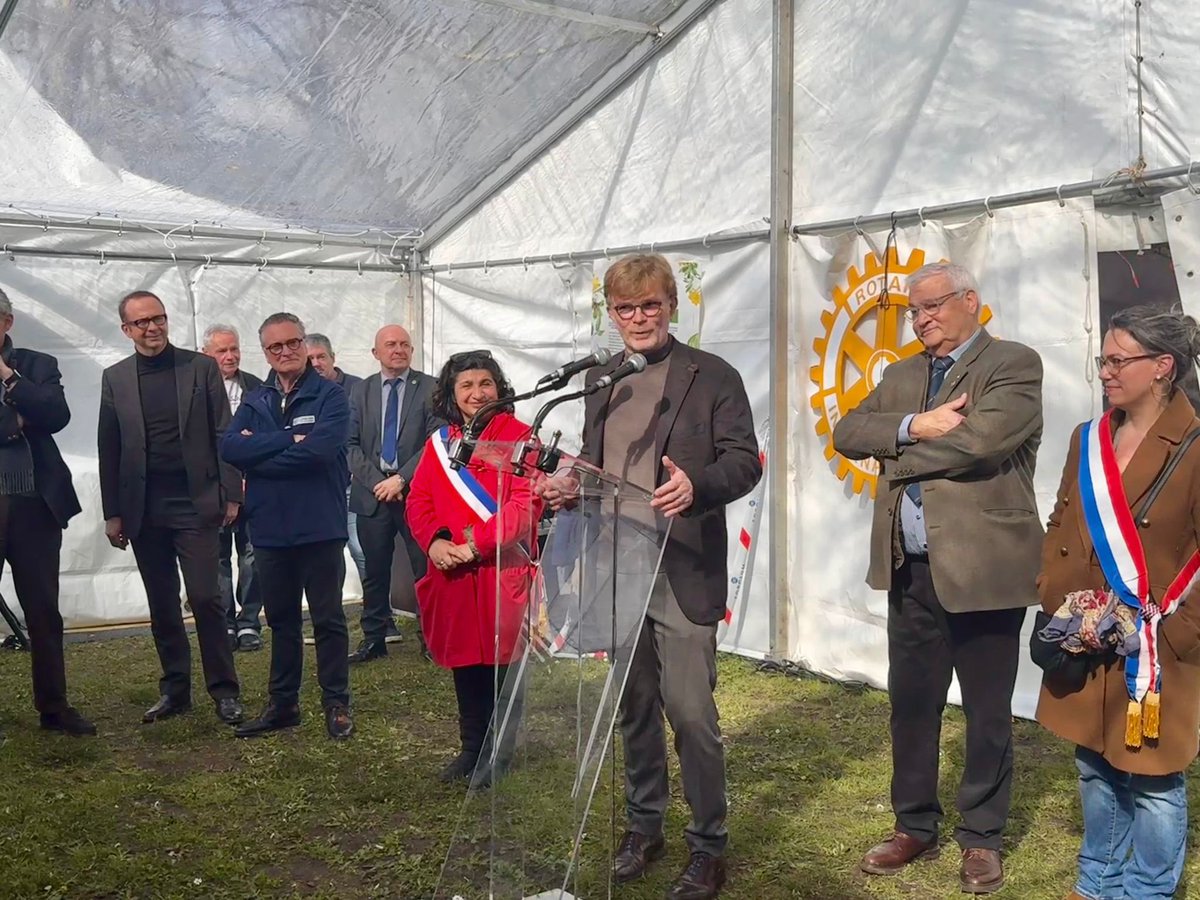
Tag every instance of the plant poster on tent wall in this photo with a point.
(861, 337)
(689, 312)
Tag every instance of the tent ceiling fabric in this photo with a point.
(373, 113)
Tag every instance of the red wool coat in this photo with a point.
(474, 614)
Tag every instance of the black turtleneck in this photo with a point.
(657, 356)
(160, 413)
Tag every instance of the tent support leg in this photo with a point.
(782, 79)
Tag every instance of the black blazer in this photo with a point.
(417, 423)
(706, 427)
(203, 418)
(39, 399)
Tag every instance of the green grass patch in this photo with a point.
(183, 809)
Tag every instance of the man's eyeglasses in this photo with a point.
(931, 308)
(649, 308)
(277, 348)
(1115, 364)
(143, 324)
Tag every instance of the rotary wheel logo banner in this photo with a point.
(862, 337)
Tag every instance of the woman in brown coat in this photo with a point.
(1132, 787)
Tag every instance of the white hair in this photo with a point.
(218, 328)
(961, 280)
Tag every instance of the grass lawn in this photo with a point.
(182, 809)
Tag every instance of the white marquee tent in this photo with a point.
(467, 167)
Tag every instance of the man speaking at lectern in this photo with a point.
(683, 429)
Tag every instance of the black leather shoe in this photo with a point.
(338, 722)
(69, 721)
(635, 854)
(165, 708)
(248, 642)
(701, 879)
(272, 718)
(459, 768)
(230, 710)
(367, 651)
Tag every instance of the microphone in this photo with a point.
(631, 366)
(562, 373)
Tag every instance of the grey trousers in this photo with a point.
(674, 670)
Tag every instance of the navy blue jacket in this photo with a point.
(295, 490)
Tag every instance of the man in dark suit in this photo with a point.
(391, 418)
(164, 490)
(956, 542)
(223, 344)
(683, 429)
(36, 501)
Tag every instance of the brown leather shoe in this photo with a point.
(897, 852)
(701, 879)
(635, 854)
(981, 872)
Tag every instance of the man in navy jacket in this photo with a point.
(36, 500)
(289, 439)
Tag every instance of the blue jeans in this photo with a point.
(243, 606)
(1134, 831)
(356, 550)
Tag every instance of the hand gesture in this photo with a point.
(558, 491)
(676, 495)
(939, 421)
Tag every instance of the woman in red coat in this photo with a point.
(479, 528)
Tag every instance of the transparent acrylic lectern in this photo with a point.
(545, 807)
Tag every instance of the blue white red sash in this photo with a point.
(1118, 546)
(469, 488)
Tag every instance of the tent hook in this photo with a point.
(485, 267)
(987, 206)
(1058, 194)
(524, 262)
(359, 265)
(858, 227)
(606, 253)
(704, 241)
(921, 216)
(262, 263)
(207, 260)
(102, 257)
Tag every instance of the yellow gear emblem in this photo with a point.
(861, 340)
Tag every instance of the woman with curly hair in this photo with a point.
(478, 526)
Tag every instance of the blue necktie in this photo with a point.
(941, 365)
(390, 418)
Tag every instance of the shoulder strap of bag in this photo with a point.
(1161, 481)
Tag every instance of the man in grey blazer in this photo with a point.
(956, 542)
(391, 418)
(164, 490)
(683, 430)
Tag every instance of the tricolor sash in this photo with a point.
(469, 488)
(1114, 534)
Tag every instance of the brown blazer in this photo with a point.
(976, 481)
(706, 427)
(121, 437)
(1094, 717)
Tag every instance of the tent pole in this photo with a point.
(417, 292)
(103, 256)
(782, 79)
(1124, 182)
(708, 241)
(605, 87)
(369, 238)
(10, 6)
